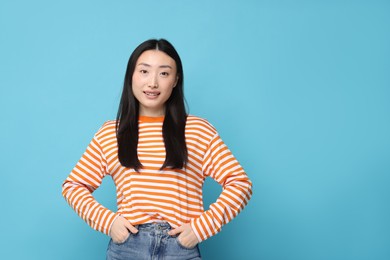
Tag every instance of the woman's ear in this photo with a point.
(177, 79)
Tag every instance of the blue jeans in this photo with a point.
(151, 243)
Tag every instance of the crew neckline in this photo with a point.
(151, 119)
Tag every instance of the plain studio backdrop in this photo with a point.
(299, 91)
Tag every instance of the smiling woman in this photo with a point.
(153, 80)
(158, 157)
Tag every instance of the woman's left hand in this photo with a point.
(187, 237)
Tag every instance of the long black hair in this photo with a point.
(174, 120)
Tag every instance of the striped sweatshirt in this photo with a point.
(154, 195)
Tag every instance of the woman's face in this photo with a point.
(153, 80)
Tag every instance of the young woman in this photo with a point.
(158, 157)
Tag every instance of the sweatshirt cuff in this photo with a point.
(199, 229)
(110, 220)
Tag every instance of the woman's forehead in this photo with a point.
(156, 58)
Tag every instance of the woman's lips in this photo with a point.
(151, 94)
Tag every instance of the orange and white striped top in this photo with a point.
(151, 195)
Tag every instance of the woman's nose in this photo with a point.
(153, 82)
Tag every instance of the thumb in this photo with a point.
(131, 228)
(175, 231)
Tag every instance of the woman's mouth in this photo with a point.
(151, 94)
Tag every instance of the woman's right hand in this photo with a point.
(120, 230)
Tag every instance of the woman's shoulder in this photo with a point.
(197, 120)
(201, 124)
(108, 127)
(109, 123)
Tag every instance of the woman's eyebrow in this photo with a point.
(143, 64)
(165, 66)
(148, 65)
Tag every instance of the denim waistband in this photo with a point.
(154, 226)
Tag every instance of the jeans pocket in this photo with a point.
(184, 247)
(127, 239)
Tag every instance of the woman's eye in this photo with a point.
(143, 71)
(165, 74)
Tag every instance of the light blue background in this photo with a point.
(299, 90)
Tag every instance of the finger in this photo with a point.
(175, 231)
(131, 228)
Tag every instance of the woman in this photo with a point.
(158, 157)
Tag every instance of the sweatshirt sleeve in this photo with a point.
(86, 177)
(220, 164)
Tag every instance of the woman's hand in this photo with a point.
(187, 237)
(120, 230)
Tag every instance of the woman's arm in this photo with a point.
(220, 164)
(77, 189)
